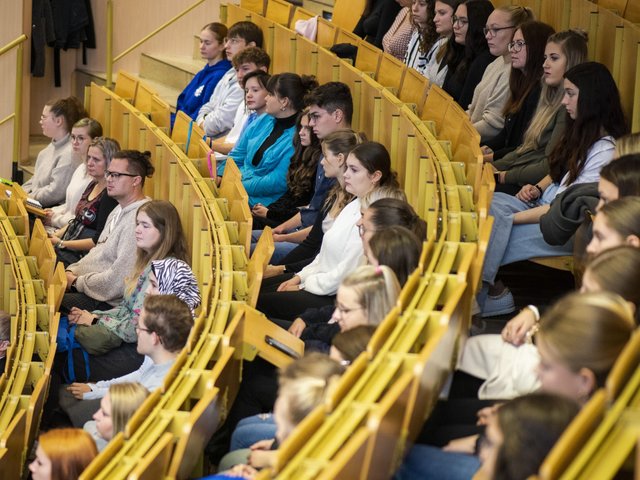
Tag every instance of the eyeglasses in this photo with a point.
(515, 47)
(117, 175)
(493, 31)
(346, 311)
(138, 327)
(78, 138)
(461, 21)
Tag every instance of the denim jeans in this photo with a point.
(251, 430)
(512, 243)
(280, 251)
(427, 462)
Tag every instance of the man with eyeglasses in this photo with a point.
(96, 282)
(163, 330)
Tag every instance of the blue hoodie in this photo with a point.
(200, 89)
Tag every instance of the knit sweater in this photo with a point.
(396, 40)
(489, 99)
(78, 183)
(102, 271)
(54, 167)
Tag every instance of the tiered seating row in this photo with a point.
(389, 391)
(199, 390)
(31, 292)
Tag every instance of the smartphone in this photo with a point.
(281, 346)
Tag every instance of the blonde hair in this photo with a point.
(387, 191)
(587, 330)
(306, 383)
(70, 451)
(574, 46)
(125, 398)
(94, 129)
(377, 289)
(518, 14)
(628, 145)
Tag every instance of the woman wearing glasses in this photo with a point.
(527, 57)
(81, 234)
(595, 120)
(527, 164)
(82, 133)
(491, 94)
(467, 54)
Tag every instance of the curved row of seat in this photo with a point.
(31, 289)
(387, 393)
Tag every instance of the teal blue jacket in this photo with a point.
(267, 181)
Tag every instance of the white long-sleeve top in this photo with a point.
(339, 254)
(149, 375)
(217, 115)
(65, 212)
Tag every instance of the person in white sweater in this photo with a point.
(163, 329)
(56, 163)
(217, 115)
(491, 94)
(96, 282)
(82, 133)
(368, 167)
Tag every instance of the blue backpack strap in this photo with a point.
(72, 344)
(186, 148)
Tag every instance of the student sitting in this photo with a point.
(527, 57)
(396, 40)
(201, 87)
(491, 94)
(216, 116)
(82, 134)
(82, 232)
(423, 35)
(435, 69)
(593, 104)
(303, 385)
(301, 178)
(163, 329)
(56, 163)
(330, 109)
(116, 408)
(467, 54)
(265, 148)
(528, 163)
(246, 62)
(161, 267)
(368, 168)
(97, 279)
